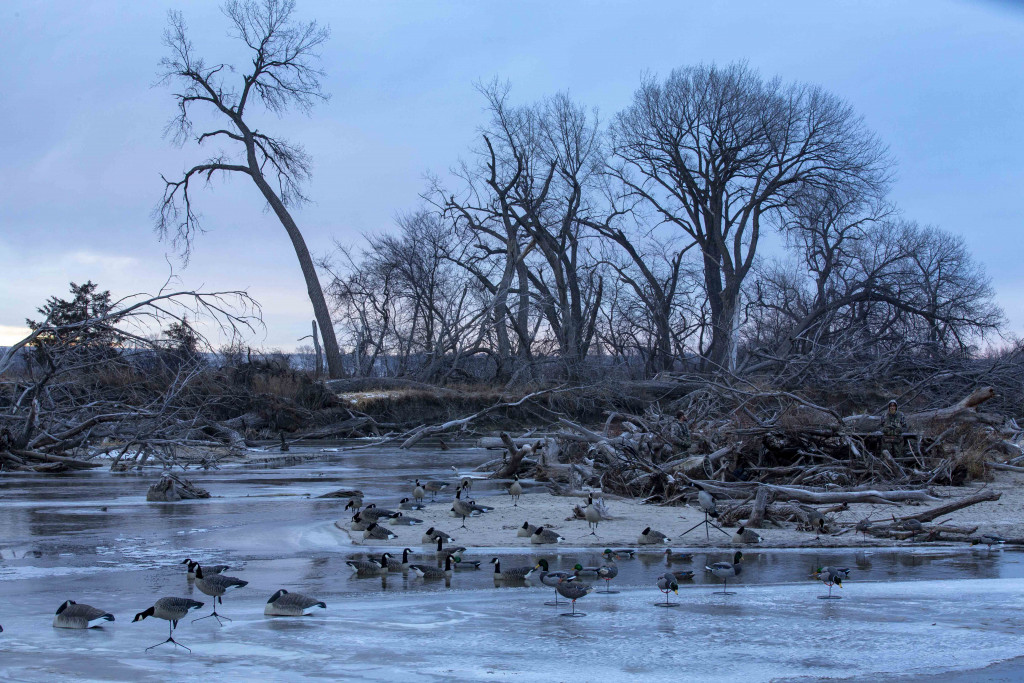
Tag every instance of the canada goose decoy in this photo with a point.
(425, 571)
(434, 487)
(515, 490)
(285, 604)
(863, 526)
(465, 565)
(370, 567)
(401, 520)
(551, 579)
(914, 526)
(417, 492)
(216, 586)
(72, 615)
(513, 574)
(593, 516)
(671, 557)
(171, 610)
(542, 536)
(358, 523)
(650, 537)
(526, 530)
(606, 573)
(409, 504)
(667, 584)
(375, 514)
(830, 578)
(396, 565)
(986, 539)
(573, 590)
(480, 508)
(431, 535)
(443, 552)
(462, 508)
(212, 569)
(725, 571)
(744, 535)
(377, 533)
(356, 502)
(706, 502)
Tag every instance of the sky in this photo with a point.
(939, 81)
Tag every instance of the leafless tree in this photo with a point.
(283, 74)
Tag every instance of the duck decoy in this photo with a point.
(830, 577)
(73, 615)
(606, 573)
(706, 502)
(216, 586)
(396, 565)
(515, 490)
(427, 572)
(212, 569)
(593, 516)
(370, 567)
(285, 604)
(624, 553)
(814, 518)
(431, 535)
(842, 572)
(667, 584)
(464, 565)
(513, 574)
(684, 575)
(545, 536)
(744, 535)
(409, 504)
(671, 557)
(725, 571)
(551, 579)
(377, 533)
(171, 610)
(401, 520)
(650, 537)
(579, 570)
(573, 590)
(526, 530)
(443, 552)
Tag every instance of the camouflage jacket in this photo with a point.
(679, 435)
(893, 424)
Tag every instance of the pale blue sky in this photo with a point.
(940, 82)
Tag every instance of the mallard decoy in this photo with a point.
(171, 610)
(431, 535)
(814, 518)
(684, 575)
(542, 536)
(377, 533)
(190, 571)
(551, 579)
(465, 565)
(667, 584)
(370, 567)
(425, 571)
(216, 586)
(513, 574)
(526, 530)
(624, 553)
(651, 537)
(285, 604)
(830, 578)
(401, 520)
(606, 573)
(593, 516)
(396, 565)
(744, 535)
(515, 490)
(573, 590)
(72, 615)
(841, 572)
(579, 570)
(443, 552)
(725, 570)
(409, 504)
(671, 557)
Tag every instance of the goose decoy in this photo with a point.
(513, 574)
(830, 578)
(216, 586)
(285, 604)
(462, 508)
(72, 615)
(542, 536)
(814, 517)
(986, 539)
(409, 504)
(667, 584)
(480, 508)
(863, 526)
(725, 571)
(374, 514)
(377, 533)
(172, 610)
(443, 552)
(573, 590)
(526, 530)
(706, 502)
(914, 526)
(417, 492)
(685, 575)
(592, 515)
(401, 520)
(395, 565)
(434, 487)
(356, 501)
(744, 535)
(606, 573)
(425, 571)
(551, 579)
(515, 490)
(358, 523)
(465, 565)
(212, 569)
(370, 567)
(650, 537)
(671, 557)
(431, 535)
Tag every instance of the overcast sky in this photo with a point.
(940, 82)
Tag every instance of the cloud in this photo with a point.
(11, 334)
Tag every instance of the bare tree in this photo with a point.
(283, 75)
(719, 153)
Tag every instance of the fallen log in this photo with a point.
(822, 497)
(70, 463)
(953, 506)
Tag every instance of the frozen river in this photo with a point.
(92, 537)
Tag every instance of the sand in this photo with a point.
(498, 528)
